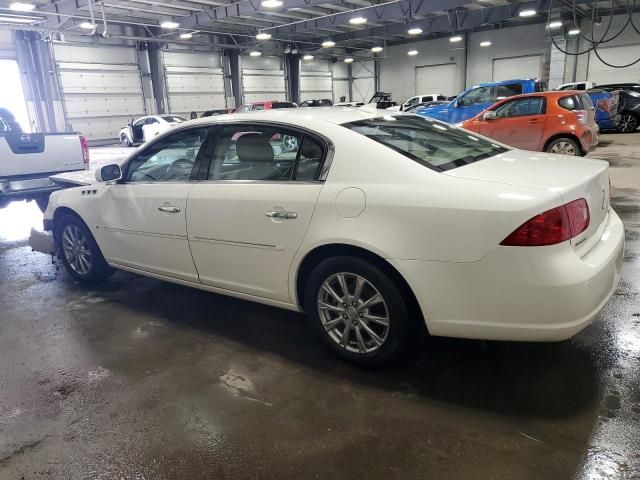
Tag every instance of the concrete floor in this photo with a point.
(140, 379)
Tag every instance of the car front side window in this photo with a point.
(519, 108)
(477, 95)
(168, 160)
(262, 152)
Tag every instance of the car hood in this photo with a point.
(542, 171)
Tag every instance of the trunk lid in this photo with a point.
(30, 154)
(570, 177)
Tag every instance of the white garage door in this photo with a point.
(101, 87)
(263, 78)
(315, 80)
(601, 73)
(528, 66)
(195, 82)
(437, 79)
(364, 82)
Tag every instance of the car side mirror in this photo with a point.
(109, 173)
(490, 115)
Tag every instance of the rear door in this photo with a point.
(519, 123)
(250, 211)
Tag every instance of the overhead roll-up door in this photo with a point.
(263, 78)
(316, 80)
(437, 79)
(101, 88)
(194, 81)
(526, 66)
(364, 80)
(602, 73)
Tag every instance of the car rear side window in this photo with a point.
(431, 143)
(569, 103)
(508, 90)
(281, 105)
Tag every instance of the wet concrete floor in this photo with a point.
(140, 379)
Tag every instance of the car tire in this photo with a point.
(368, 342)
(79, 251)
(43, 202)
(124, 140)
(564, 146)
(628, 123)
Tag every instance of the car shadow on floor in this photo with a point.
(529, 379)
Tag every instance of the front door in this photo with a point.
(519, 123)
(249, 214)
(142, 219)
(470, 104)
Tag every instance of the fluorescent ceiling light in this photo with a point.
(574, 31)
(556, 24)
(412, 53)
(170, 24)
(22, 20)
(527, 13)
(348, 60)
(414, 31)
(22, 7)
(485, 44)
(357, 20)
(376, 49)
(186, 36)
(263, 36)
(328, 44)
(254, 53)
(307, 57)
(87, 26)
(455, 39)
(271, 3)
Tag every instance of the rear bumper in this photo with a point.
(27, 187)
(522, 294)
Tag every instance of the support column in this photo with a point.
(350, 69)
(293, 71)
(158, 83)
(235, 70)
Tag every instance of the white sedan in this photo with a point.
(375, 225)
(146, 128)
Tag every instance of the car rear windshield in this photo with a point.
(173, 119)
(282, 105)
(431, 143)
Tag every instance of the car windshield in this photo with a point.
(173, 119)
(431, 143)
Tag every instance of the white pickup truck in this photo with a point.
(27, 160)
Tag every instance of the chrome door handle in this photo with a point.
(282, 214)
(168, 209)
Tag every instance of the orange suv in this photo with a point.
(556, 122)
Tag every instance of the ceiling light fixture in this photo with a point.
(186, 36)
(357, 20)
(87, 26)
(412, 53)
(20, 19)
(170, 24)
(254, 53)
(376, 49)
(22, 7)
(485, 44)
(455, 39)
(414, 31)
(527, 13)
(573, 31)
(328, 44)
(271, 3)
(307, 57)
(348, 60)
(263, 36)
(556, 24)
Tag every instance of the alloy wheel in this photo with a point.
(563, 148)
(353, 313)
(76, 250)
(628, 123)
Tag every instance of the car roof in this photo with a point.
(294, 116)
(504, 82)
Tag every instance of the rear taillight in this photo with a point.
(604, 104)
(551, 227)
(582, 115)
(85, 151)
(268, 105)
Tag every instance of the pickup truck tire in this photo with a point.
(564, 146)
(628, 123)
(79, 251)
(124, 140)
(42, 201)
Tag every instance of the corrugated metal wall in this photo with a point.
(194, 81)
(101, 88)
(315, 80)
(263, 78)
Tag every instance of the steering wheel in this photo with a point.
(178, 168)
